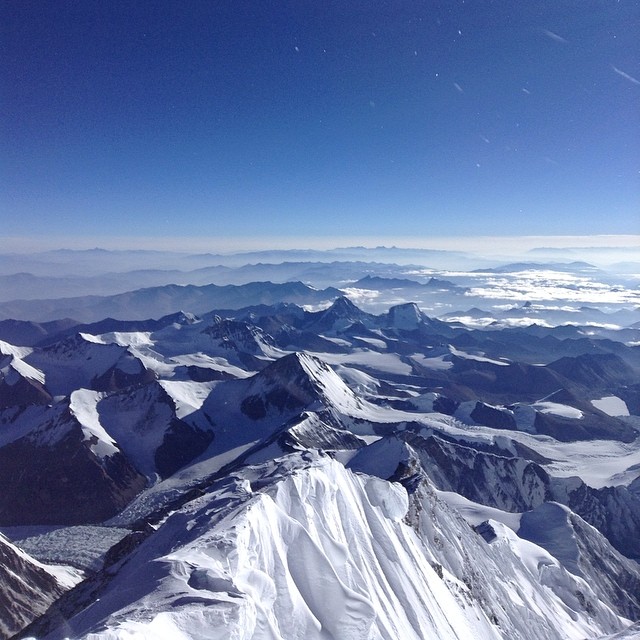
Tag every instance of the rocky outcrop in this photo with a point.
(26, 589)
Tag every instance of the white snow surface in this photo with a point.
(82, 404)
(7, 349)
(211, 362)
(478, 358)
(374, 342)
(188, 396)
(69, 364)
(323, 553)
(362, 383)
(612, 406)
(436, 362)
(475, 513)
(630, 633)
(599, 463)
(22, 369)
(383, 362)
(122, 338)
(557, 409)
(14, 367)
(139, 419)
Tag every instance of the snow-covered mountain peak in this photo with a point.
(87, 361)
(405, 316)
(181, 318)
(239, 336)
(13, 368)
(342, 306)
(301, 379)
(337, 317)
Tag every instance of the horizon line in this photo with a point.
(491, 244)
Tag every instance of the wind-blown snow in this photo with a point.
(558, 409)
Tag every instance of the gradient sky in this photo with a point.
(308, 118)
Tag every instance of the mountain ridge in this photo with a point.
(254, 454)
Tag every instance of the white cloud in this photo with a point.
(551, 286)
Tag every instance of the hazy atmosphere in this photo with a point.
(297, 122)
(320, 320)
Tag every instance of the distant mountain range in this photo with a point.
(347, 457)
(159, 301)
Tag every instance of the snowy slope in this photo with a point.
(20, 383)
(321, 552)
(85, 361)
(147, 422)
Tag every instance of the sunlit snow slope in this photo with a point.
(320, 552)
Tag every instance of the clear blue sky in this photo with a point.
(308, 118)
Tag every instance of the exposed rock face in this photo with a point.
(26, 589)
(16, 389)
(585, 552)
(492, 417)
(594, 370)
(515, 484)
(180, 445)
(405, 316)
(615, 511)
(54, 477)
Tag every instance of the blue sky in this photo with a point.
(308, 119)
